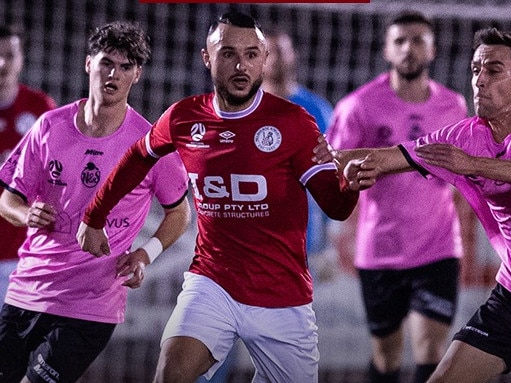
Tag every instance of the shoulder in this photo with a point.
(36, 95)
(189, 106)
(279, 105)
(136, 121)
(63, 113)
(377, 90)
(196, 101)
(446, 94)
(467, 128)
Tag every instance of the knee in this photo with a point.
(167, 373)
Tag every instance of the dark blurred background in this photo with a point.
(339, 47)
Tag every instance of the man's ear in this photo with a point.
(205, 58)
(87, 64)
(138, 74)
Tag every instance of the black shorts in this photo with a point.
(47, 348)
(489, 329)
(389, 295)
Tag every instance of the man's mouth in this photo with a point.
(240, 80)
(110, 86)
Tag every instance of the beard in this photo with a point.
(238, 100)
(410, 76)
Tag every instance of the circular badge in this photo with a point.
(268, 139)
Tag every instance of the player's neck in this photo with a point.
(500, 128)
(99, 120)
(416, 90)
(8, 94)
(225, 106)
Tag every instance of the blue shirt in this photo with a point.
(322, 111)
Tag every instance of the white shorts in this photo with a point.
(282, 342)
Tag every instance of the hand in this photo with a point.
(323, 152)
(40, 214)
(94, 241)
(446, 156)
(133, 264)
(361, 173)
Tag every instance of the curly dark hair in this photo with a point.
(121, 36)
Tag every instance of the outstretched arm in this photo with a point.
(362, 173)
(324, 153)
(362, 166)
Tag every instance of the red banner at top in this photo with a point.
(264, 1)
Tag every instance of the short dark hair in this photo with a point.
(492, 36)
(237, 19)
(121, 36)
(409, 17)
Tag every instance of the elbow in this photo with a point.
(342, 210)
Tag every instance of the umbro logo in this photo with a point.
(227, 137)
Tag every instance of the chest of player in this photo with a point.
(81, 166)
(237, 162)
(233, 146)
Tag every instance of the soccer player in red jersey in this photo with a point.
(249, 158)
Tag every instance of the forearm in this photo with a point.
(13, 209)
(174, 224)
(388, 160)
(492, 168)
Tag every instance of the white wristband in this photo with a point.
(153, 248)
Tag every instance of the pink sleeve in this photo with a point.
(170, 179)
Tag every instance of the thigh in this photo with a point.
(203, 319)
(465, 363)
(283, 343)
(69, 347)
(489, 329)
(386, 296)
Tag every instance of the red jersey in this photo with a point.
(15, 120)
(248, 171)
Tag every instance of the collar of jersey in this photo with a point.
(241, 113)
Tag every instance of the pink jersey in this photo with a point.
(491, 200)
(15, 120)
(248, 170)
(57, 164)
(404, 221)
